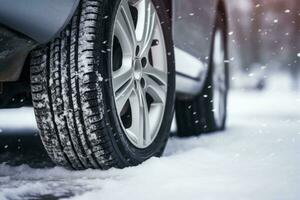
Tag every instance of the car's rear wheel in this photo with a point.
(207, 112)
(100, 90)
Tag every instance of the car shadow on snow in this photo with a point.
(18, 147)
(25, 147)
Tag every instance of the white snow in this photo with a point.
(257, 158)
(17, 119)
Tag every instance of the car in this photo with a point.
(105, 76)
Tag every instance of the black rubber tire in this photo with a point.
(195, 116)
(72, 93)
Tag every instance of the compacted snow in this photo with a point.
(257, 158)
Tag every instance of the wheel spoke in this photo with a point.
(123, 95)
(145, 134)
(222, 87)
(158, 74)
(219, 81)
(125, 30)
(219, 58)
(121, 77)
(140, 122)
(134, 129)
(146, 26)
(219, 55)
(156, 91)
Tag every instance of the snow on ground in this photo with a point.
(12, 121)
(257, 158)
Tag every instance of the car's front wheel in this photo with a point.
(103, 91)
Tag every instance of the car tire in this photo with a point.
(72, 81)
(201, 114)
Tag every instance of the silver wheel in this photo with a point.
(139, 71)
(219, 78)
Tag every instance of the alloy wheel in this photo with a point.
(139, 71)
(219, 78)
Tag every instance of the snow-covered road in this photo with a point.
(257, 158)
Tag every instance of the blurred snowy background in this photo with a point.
(257, 157)
(264, 40)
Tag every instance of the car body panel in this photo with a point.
(192, 26)
(40, 20)
(193, 22)
(189, 71)
(14, 48)
(25, 24)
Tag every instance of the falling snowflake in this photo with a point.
(263, 67)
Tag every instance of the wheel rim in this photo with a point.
(139, 71)
(219, 78)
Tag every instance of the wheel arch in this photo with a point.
(30, 17)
